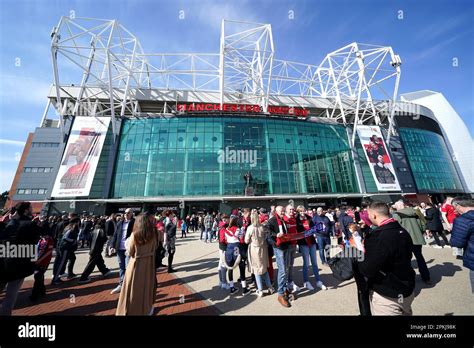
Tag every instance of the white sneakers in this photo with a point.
(116, 290)
(308, 286)
(259, 293)
(320, 285)
(293, 287)
(271, 290)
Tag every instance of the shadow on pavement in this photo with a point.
(437, 272)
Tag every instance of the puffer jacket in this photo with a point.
(462, 236)
(410, 221)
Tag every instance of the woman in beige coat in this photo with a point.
(139, 285)
(258, 253)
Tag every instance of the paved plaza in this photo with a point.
(193, 289)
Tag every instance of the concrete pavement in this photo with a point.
(449, 293)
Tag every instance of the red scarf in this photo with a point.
(386, 221)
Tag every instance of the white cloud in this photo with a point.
(436, 48)
(23, 90)
(14, 157)
(212, 14)
(6, 179)
(12, 142)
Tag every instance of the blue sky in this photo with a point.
(429, 36)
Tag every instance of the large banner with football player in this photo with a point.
(378, 158)
(81, 156)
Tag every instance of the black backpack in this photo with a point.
(341, 267)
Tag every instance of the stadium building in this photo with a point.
(240, 127)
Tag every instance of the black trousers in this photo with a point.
(170, 258)
(362, 292)
(230, 272)
(94, 260)
(422, 267)
(39, 289)
(437, 234)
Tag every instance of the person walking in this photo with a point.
(122, 232)
(67, 248)
(387, 264)
(462, 233)
(98, 239)
(410, 221)
(435, 226)
(139, 284)
(258, 254)
(308, 248)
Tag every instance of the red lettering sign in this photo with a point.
(272, 109)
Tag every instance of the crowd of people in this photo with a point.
(250, 240)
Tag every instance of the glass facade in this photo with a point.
(430, 161)
(210, 156)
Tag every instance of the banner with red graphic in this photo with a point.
(81, 156)
(378, 158)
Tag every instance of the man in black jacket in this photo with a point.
(23, 234)
(122, 232)
(387, 264)
(98, 240)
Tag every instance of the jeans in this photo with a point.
(266, 278)
(424, 272)
(122, 264)
(282, 260)
(13, 287)
(322, 242)
(208, 235)
(222, 268)
(291, 261)
(309, 252)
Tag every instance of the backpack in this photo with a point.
(341, 267)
